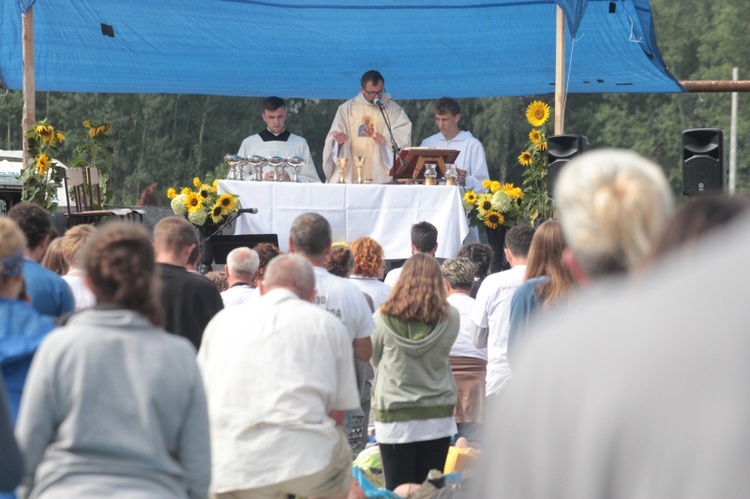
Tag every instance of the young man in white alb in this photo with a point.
(471, 163)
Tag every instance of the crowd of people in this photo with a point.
(584, 370)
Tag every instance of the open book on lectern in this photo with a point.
(411, 165)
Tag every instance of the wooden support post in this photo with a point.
(560, 74)
(29, 101)
(716, 85)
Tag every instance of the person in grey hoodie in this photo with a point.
(414, 392)
(114, 405)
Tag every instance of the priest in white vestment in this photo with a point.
(471, 162)
(360, 130)
(276, 140)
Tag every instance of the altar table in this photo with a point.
(382, 212)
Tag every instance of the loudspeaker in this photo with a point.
(703, 161)
(560, 150)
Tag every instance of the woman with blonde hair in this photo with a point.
(114, 405)
(414, 393)
(53, 258)
(369, 265)
(22, 327)
(548, 281)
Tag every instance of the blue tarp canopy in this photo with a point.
(320, 48)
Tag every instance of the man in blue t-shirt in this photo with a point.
(50, 294)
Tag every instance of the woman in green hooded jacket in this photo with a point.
(414, 393)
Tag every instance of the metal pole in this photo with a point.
(733, 138)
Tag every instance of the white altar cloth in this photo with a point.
(382, 212)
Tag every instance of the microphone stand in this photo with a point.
(231, 218)
(394, 145)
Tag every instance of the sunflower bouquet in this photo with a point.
(202, 205)
(501, 205)
(42, 175)
(536, 203)
(95, 150)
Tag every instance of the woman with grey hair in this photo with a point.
(468, 363)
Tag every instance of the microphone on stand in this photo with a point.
(394, 145)
(252, 211)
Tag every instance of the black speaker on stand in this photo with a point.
(560, 150)
(703, 161)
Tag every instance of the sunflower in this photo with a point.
(471, 197)
(217, 213)
(535, 136)
(186, 191)
(171, 193)
(492, 219)
(59, 136)
(542, 146)
(103, 128)
(193, 202)
(204, 191)
(537, 113)
(227, 202)
(515, 194)
(486, 184)
(95, 131)
(525, 158)
(197, 182)
(86, 123)
(215, 184)
(495, 186)
(46, 133)
(484, 203)
(43, 163)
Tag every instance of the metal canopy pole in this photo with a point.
(733, 137)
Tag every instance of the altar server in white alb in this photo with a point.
(276, 140)
(360, 130)
(471, 163)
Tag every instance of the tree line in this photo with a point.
(169, 139)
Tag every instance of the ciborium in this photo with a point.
(277, 163)
(342, 163)
(235, 163)
(296, 163)
(257, 163)
(359, 163)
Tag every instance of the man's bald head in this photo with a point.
(291, 272)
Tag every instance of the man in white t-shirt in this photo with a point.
(277, 387)
(423, 240)
(310, 237)
(242, 265)
(491, 315)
